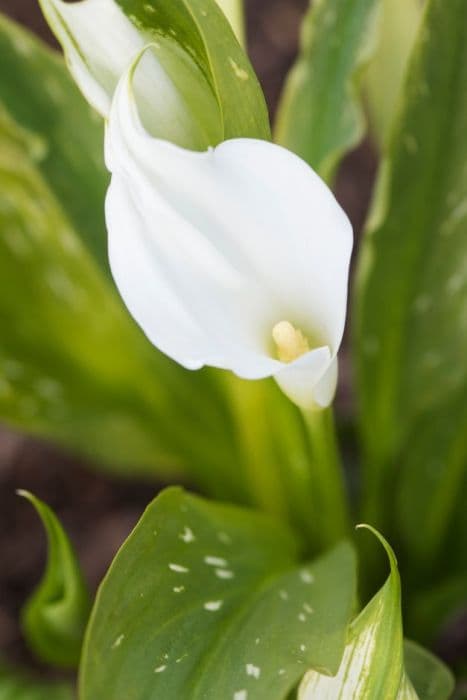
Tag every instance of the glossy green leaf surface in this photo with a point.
(375, 663)
(19, 686)
(209, 601)
(320, 116)
(55, 616)
(410, 319)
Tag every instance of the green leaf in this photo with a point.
(373, 665)
(39, 95)
(320, 117)
(410, 330)
(19, 686)
(200, 28)
(209, 601)
(431, 678)
(55, 616)
(196, 64)
(387, 69)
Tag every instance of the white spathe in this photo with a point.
(213, 251)
(100, 42)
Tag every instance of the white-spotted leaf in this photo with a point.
(209, 601)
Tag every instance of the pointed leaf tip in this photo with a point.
(55, 615)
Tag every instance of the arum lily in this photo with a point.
(236, 257)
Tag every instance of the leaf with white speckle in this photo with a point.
(195, 634)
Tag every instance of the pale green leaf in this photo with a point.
(209, 601)
(386, 71)
(374, 661)
(55, 616)
(320, 116)
(410, 318)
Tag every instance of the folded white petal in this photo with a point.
(310, 382)
(324, 390)
(211, 250)
(100, 42)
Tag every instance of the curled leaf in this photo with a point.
(55, 615)
(373, 664)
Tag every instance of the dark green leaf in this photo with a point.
(55, 616)
(411, 331)
(208, 601)
(320, 117)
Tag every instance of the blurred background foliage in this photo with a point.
(76, 371)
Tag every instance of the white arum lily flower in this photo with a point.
(236, 257)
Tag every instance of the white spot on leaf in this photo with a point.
(307, 576)
(118, 641)
(224, 573)
(215, 561)
(241, 73)
(187, 535)
(252, 670)
(178, 568)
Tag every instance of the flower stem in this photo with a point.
(329, 507)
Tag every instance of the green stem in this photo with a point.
(329, 506)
